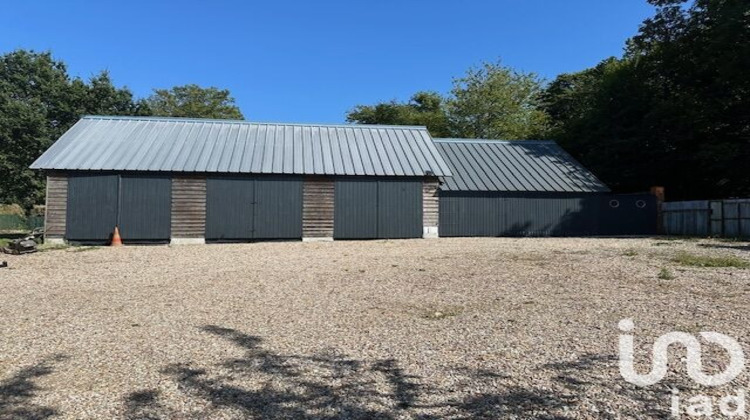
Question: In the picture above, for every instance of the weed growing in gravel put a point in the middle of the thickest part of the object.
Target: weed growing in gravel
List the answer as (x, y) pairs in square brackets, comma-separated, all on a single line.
[(437, 313), (666, 274), (694, 260), (630, 252)]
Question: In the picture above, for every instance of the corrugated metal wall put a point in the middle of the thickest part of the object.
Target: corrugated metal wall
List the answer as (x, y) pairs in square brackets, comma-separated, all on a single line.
[(487, 214), (355, 209), (139, 204), (92, 207), (230, 208), (368, 209), (278, 208), (247, 208), (145, 206)]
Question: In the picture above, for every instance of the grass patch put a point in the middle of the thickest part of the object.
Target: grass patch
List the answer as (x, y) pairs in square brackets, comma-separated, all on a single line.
[(694, 260), (630, 253), (666, 274), (48, 247), (4, 242)]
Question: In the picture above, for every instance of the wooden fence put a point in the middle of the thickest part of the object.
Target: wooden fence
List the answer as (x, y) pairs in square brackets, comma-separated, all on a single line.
[(725, 218)]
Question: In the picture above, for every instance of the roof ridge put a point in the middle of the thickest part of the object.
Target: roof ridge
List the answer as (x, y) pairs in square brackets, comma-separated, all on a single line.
[(490, 141), (227, 121)]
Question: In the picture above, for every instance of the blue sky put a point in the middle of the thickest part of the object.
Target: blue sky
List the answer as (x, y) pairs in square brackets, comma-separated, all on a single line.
[(311, 61)]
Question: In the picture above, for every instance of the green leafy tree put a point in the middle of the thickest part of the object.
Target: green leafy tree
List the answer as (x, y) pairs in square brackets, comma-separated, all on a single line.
[(424, 108), (496, 102), (491, 101), (194, 101), (675, 110), (38, 103)]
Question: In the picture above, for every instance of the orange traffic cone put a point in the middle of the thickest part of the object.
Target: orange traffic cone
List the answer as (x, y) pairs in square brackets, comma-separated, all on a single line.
[(116, 240)]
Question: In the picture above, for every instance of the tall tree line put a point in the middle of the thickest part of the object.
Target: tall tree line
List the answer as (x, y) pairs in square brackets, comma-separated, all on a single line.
[(674, 110), (39, 101)]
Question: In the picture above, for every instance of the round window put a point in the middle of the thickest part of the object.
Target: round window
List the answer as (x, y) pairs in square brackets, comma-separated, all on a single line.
[(614, 204)]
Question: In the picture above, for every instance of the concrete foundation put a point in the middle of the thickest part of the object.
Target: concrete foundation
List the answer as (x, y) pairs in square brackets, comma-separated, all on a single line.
[(323, 239), (187, 241), (54, 241), (430, 232)]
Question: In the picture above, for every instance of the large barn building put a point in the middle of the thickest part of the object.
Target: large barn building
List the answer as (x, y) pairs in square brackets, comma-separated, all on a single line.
[(190, 181), (184, 180)]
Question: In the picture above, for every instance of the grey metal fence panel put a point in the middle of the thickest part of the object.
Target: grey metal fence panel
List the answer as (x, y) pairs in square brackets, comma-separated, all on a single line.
[(687, 218), (278, 208), (355, 209), (230, 204), (729, 218), (399, 209), (92, 207), (145, 208)]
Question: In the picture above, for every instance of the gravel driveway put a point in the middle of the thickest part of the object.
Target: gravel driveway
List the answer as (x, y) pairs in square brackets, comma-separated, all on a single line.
[(457, 328)]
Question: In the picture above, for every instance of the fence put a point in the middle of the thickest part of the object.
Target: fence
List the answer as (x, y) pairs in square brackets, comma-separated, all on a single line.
[(726, 218), (15, 223)]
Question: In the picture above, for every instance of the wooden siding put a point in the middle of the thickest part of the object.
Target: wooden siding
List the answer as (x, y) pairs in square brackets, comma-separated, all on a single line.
[(57, 205), (317, 208), (188, 207), (430, 203)]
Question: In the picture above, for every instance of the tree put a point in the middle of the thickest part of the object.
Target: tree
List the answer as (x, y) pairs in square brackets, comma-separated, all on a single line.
[(194, 101), (675, 110), (496, 102), (38, 103), (491, 101), (424, 108)]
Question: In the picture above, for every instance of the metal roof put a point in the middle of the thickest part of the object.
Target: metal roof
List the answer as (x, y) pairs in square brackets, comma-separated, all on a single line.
[(197, 145), (515, 166)]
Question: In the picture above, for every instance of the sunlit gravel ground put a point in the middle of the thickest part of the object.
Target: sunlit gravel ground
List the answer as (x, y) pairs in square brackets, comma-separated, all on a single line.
[(448, 328)]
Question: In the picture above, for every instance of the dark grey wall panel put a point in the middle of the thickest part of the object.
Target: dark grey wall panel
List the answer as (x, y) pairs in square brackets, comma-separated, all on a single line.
[(399, 209), (355, 209), (145, 207), (559, 216), (229, 208), (369, 209), (628, 214), (492, 214), (278, 208), (92, 207)]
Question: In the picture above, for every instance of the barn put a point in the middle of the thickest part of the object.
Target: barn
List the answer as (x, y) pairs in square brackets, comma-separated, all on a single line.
[(531, 188), (176, 180)]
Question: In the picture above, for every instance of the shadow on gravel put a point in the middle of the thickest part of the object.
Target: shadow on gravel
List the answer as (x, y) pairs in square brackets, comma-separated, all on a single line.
[(265, 384), (732, 247), (17, 392)]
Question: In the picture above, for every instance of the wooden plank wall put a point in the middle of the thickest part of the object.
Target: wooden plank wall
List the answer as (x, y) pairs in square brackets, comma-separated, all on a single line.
[(188, 207), (430, 203), (57, 205), (317, 208)]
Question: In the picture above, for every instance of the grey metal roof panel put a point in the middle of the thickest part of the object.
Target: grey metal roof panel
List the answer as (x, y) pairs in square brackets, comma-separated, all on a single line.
[(227, 146), (513, 166)]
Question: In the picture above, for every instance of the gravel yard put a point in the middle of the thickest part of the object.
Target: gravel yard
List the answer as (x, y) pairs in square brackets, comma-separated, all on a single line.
[(456, 328)]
